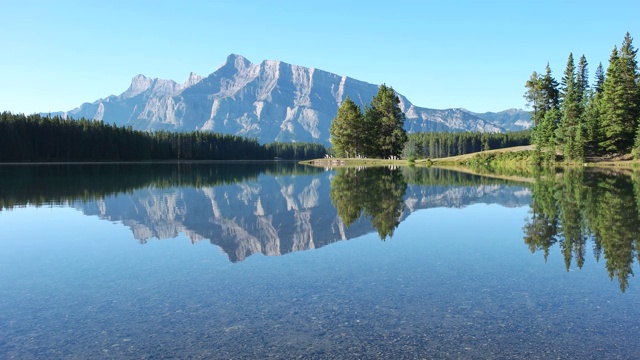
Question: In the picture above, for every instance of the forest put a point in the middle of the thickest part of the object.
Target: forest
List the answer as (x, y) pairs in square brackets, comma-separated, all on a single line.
[(578, 120), (444, 144), (36, 138)]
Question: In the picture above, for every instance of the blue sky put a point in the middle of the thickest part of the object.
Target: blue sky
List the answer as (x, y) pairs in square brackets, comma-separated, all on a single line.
[(440, 54)]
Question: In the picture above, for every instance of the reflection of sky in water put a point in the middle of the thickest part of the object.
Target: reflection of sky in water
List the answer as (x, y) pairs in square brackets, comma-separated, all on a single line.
[(451, 283)]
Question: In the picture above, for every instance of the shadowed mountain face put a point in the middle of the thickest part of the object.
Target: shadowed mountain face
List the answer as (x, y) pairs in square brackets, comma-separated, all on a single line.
[(272, 101)]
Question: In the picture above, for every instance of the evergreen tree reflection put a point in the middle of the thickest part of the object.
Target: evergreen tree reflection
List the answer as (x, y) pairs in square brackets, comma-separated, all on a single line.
[(375, 193), (38, 185), (577, 205)]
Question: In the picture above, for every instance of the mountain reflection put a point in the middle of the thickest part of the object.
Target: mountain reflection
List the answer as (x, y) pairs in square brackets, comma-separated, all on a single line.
[(578, 208), (246, 209), (277, 208)]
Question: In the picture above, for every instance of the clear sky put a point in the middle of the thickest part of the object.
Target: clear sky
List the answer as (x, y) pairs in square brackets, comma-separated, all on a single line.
[(440, 54)]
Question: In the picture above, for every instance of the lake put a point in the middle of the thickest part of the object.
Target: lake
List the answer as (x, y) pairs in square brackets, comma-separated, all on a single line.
[(281, 261)]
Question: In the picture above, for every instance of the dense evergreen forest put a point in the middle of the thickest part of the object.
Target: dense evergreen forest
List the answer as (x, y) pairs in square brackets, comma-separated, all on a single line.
[(39, 138), (577, 120), (443, 144)]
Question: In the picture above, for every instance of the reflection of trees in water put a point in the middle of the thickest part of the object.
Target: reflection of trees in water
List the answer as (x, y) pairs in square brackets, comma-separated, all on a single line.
[(376, 193), (59, 183), (579, 205)]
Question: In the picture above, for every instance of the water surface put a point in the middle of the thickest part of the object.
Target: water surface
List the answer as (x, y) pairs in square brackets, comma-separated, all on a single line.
[(282, 261)]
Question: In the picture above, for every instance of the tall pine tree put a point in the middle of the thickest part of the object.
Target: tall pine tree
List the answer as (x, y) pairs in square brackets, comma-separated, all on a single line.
[(613, 126), (598, 85), (542, 93), (347, 130), (550, 90), (535, 98), (620, 108), (386, 115), (593, 113), (568, 128), (582, 80)]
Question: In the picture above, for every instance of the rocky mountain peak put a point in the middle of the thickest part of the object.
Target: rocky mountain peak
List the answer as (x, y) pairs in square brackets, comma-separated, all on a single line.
[(237, 62), (139, 84), (271, 101), (192, 79)]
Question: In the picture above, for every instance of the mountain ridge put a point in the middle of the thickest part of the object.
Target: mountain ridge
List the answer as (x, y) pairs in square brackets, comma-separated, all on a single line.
[(271, 101)]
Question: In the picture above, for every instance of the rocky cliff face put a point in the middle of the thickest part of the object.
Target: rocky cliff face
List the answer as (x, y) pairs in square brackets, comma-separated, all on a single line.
[(273, 215), (510, 120), (272, 101)]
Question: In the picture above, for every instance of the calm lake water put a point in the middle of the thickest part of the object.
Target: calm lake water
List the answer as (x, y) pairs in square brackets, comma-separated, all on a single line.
[(247, 261)]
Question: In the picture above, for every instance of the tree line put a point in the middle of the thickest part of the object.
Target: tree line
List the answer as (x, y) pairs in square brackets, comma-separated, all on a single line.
[(578, 120), (444, 144), (43, 138)]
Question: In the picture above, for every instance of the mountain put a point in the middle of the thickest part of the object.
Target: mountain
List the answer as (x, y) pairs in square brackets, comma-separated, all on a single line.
[(272, 101), (510, 120)]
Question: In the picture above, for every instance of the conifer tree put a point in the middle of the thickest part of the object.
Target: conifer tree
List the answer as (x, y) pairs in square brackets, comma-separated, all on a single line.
[(535, 98), (550, 90), (593, 113), (542, 92), (620, 108), (387, 116), (602, 120), (582, 80), (347, 130), (612, 113), (592, 117), (569, 109), (544, 136), (372, 132), (598, 85)]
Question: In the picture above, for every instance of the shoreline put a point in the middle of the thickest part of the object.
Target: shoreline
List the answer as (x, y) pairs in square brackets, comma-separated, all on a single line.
[(140, 162), (463, 161)]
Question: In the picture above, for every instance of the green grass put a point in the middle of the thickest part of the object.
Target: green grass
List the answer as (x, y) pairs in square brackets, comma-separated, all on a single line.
[(513, 159)]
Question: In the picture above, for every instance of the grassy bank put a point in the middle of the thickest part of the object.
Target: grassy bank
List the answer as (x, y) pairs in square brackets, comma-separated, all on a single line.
[(517, 159)]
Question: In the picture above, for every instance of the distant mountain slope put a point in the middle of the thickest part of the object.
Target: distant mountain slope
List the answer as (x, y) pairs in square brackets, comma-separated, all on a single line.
[(272, 101), (510, 120)]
